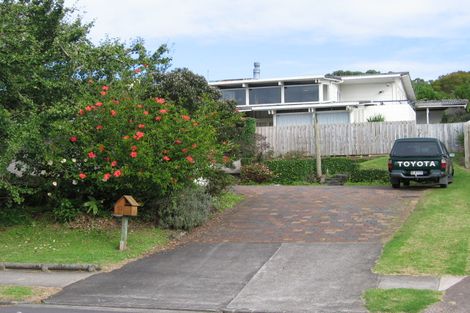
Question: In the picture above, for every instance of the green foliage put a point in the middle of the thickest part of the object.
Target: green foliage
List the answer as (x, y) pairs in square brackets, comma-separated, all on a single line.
[(450, 82), (186, 209), (354, 73), (218, 181), (185, 88), (66, 211), (247, 140), (425, 91), (288, 171), (456, 116), (400, 300), (376, 118), (369, 176), (256, 172), (226, 201)]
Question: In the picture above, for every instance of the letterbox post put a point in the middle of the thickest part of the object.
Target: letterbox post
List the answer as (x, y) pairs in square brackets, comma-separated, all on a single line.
[(124, 225)]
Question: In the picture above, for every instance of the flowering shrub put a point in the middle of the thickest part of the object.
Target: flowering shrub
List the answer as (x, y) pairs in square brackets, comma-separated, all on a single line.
[(118, 145), (256, 172)]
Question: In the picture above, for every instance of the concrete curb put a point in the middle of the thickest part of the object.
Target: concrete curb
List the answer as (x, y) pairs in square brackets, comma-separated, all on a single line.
[(418, 282), (50, 267)]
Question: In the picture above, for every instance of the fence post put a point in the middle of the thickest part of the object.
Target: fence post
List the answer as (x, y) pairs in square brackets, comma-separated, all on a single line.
[(466, 131)]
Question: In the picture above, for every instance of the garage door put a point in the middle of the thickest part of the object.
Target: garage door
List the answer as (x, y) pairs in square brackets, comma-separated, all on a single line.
[(294, 119), (333, 117)]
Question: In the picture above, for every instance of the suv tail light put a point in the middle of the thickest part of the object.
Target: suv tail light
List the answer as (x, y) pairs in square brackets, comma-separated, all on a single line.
[(443, 164), (390, 165)]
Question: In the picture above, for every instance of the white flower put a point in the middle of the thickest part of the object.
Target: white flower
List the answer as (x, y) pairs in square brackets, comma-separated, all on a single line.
[(54, 183), (50, 162), (74, 182), (201, 182), (63, 161), (74, 160), (49, 194), (43, 172)]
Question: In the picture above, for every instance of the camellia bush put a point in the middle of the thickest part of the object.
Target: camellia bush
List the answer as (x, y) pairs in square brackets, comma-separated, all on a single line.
[(118, 145)]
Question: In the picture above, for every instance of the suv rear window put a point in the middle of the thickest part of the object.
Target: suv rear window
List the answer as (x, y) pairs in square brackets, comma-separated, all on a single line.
[(415, 148)]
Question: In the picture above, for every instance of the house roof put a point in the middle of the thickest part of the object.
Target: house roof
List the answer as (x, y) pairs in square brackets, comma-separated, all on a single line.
[(441, 104), (254, 82)]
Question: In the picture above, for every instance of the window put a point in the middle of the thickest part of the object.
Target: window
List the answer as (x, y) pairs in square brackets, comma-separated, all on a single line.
[(415, 148), (265, 95), (237, 95), (304, 93)]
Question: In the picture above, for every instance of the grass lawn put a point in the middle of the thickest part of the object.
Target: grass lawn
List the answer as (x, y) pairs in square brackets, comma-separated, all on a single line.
[(378, 163), (399, 300), (435, 239), (20, 293), (45, 242)]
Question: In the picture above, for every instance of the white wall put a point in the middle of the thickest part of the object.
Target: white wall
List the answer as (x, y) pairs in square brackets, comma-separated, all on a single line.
[(387, 91), (393, 112)]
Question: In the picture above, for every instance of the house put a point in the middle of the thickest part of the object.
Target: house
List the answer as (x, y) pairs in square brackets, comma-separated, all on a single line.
[(432, 111), (329, 99)]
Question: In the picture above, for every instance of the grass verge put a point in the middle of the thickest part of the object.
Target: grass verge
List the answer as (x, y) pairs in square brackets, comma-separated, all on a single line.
[(226, 201), (21, 293), (43, 242), (399, 300), (435, 239), (377, 163)]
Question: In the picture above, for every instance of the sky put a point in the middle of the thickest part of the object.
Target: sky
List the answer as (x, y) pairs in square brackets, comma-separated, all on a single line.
[(220, 39)]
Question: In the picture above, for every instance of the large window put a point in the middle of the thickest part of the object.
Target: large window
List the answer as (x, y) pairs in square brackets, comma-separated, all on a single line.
[(237, 95), (304, 93), (264, 95)]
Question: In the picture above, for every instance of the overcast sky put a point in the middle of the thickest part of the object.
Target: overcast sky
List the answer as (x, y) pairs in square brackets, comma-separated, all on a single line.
[(221, 39)]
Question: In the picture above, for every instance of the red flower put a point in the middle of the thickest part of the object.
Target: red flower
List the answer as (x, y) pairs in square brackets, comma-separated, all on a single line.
[(117, 173), (137, 70), (113, 113), (103, 93), (99, 127), (190, 159), (125, 137), (134, 148), (141, 126), (166, 158), (98, 104), (133, 154), (91, 155), (106, 177), (184, 150), (185, 117), (115, 101), (194, 146), (158, 118), (81, 112), (113, 164), (226, 159), (163, 111), (82, 175), (178, 142), (160, 100), (73, 139), (105, 88), (146, 112), (88, 108), (138, 135)]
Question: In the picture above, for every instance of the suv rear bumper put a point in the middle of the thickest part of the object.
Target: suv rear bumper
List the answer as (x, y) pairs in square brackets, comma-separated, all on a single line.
[(401, 176)]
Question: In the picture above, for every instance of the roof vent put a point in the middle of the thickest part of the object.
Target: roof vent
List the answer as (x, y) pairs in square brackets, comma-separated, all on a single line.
[(256, 70)]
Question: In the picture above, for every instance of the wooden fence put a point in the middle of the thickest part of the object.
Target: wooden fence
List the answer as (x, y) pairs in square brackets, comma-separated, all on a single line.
[(467, 144), (356, 139)]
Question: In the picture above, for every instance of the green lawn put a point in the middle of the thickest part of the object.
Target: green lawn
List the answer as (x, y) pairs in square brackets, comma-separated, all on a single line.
[(435, 239), (399, 300), (226, 201), (51, 243), (20, 293), (377, 163)]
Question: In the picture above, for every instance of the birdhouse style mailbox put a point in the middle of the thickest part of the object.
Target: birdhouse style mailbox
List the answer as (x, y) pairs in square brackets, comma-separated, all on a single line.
[(126, 206)]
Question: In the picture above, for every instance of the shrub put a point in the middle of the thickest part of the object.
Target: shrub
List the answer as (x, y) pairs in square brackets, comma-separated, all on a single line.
[(256, 172), (186, 209), (289, 171), (376, 118), (218, 181), (369, 176), (120, 145)]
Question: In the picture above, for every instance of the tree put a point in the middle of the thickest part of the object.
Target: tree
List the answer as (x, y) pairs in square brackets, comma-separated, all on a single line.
[(425, 91), (450, 82), (353, 73)]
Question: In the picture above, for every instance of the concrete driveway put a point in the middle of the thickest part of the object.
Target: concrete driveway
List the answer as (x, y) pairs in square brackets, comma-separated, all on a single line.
[(283, 249)]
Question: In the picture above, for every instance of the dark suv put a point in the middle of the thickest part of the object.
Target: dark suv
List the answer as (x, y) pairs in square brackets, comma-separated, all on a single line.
[(420, 160)]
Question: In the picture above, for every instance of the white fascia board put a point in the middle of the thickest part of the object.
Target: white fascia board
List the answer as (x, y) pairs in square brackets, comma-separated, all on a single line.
[(302, 106), (370, 77), (271, 80)]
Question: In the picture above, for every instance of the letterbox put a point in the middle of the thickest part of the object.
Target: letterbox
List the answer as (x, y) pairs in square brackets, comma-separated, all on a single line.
[(126, 206)]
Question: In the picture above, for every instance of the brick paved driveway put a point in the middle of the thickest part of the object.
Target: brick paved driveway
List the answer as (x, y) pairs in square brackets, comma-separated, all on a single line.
[(313, 214)]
